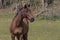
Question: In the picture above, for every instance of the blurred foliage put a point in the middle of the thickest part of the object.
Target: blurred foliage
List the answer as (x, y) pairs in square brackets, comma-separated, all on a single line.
[(36, 5)]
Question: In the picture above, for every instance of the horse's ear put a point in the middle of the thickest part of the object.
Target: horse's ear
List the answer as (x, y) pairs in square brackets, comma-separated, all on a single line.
[(25, 6), (29, 5)]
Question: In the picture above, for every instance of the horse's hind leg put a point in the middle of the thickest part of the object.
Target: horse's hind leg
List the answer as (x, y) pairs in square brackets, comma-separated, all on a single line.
[(13, 37)]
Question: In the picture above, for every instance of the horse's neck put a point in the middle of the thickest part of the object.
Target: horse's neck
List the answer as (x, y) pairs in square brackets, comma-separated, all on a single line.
[(21, 19), (24, 20)]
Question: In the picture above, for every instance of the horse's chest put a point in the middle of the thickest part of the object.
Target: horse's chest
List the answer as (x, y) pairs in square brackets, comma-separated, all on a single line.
[(23, 28), (18, 30)]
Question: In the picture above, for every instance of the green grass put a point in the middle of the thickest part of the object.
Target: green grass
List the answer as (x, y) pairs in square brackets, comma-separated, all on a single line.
[(38, 30)]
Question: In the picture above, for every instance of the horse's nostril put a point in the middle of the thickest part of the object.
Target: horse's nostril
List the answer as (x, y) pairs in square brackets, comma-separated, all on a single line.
[(32, 19)]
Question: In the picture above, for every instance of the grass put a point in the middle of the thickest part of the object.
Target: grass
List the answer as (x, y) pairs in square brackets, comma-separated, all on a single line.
[(38, 30)]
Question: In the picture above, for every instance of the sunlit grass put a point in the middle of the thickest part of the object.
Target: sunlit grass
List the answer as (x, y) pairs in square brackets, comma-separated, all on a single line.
[(38, 30)]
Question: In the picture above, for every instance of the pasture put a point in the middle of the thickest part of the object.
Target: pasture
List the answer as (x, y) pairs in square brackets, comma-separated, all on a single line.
[(38, 30)]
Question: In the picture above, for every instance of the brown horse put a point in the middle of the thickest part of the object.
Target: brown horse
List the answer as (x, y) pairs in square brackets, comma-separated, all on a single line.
[(20, 25)]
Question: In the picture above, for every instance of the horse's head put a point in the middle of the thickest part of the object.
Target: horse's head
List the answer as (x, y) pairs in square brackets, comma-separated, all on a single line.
[(26, 13), (29, 16)]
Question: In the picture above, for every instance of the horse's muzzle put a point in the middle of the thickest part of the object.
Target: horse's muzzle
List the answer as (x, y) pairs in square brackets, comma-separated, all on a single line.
[(32, 20)]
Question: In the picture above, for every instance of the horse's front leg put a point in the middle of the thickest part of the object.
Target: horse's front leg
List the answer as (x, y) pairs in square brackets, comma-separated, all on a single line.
[(25, 37), (20, 37), (13, 37)]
